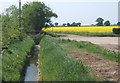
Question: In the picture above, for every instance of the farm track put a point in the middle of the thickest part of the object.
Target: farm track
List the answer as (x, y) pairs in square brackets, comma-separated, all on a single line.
[(103, 69), (110, 43)]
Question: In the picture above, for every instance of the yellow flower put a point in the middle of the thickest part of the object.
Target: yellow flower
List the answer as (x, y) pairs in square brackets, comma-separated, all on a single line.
[(82, 29)]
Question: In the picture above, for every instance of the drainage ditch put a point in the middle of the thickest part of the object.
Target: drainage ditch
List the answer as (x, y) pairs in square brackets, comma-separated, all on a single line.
[(32, 69)]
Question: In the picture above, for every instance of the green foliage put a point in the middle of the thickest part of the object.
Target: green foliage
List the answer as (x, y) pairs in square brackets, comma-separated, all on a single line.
[(118, 23), (92, 48), (73, 24), (109, 34), (36, 15), (10, 29), (68, 24), (108, 54), (56, 66), (99, 21), (64, 24), (56, 24), (107, 23), (76, 24), (13, 59), (116, 30)]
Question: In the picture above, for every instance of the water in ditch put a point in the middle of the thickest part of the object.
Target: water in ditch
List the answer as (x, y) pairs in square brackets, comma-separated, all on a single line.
[(31, 73), (32, 70)]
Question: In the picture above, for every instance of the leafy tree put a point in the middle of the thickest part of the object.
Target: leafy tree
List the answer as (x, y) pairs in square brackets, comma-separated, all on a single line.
[(10, 26), (73, 24), (99, 21), (118, 23), (68, 24), (35, 15), (92, 25), (51, 25), (78, 24), (56, 24), (107, 23), (64, 24)]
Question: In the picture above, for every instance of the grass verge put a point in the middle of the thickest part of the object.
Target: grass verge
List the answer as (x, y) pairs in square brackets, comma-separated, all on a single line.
[(92, 48), (56, 66), (13, 59), (110, 34)]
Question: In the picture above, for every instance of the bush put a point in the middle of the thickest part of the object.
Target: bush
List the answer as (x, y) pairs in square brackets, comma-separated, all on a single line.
[(116, 30), (14, 57)]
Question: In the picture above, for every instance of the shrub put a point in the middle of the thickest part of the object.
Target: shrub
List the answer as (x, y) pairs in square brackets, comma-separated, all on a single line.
[(116, 30)]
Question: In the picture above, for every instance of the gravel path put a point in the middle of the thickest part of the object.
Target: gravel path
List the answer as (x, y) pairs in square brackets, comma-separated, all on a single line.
[(107, 42)]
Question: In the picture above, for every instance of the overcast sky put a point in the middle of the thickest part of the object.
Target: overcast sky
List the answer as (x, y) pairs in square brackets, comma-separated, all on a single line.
[(84, 11)]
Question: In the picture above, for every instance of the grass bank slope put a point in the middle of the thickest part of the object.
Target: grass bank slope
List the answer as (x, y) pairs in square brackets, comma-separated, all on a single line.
[(56, 66), (14, 59)]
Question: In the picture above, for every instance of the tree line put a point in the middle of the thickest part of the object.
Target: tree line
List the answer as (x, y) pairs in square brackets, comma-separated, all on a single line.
[(100, 22)]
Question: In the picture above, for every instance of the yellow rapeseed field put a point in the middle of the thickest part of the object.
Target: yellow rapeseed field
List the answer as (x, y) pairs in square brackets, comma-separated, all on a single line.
[(82, 29)]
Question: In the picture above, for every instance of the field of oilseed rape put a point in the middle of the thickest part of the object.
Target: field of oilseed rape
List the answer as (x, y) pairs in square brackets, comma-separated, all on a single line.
[(82, 29)]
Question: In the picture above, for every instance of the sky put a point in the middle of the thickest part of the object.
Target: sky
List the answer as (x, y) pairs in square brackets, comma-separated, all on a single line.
[(83, 11)]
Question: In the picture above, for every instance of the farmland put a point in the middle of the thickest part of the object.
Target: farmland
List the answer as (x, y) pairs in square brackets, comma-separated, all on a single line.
[(59, 60), (36, 49), (93, 29)]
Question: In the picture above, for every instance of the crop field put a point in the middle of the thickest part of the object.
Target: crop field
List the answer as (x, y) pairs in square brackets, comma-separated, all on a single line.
[(37, 46), (82, 29)]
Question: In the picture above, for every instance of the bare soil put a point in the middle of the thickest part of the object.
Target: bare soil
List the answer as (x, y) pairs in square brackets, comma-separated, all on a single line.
[(102, 69), (38, 67)]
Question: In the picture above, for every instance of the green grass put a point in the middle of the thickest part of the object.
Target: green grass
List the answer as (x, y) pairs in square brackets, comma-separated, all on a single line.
[(108, 34), (92, 48), (13, 59), (56, 66)]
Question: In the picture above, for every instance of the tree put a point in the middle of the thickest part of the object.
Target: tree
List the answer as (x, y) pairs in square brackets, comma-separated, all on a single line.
[(64, 24), (68, 24), (10, 26), (118, 23), (107, 23), (100, 21), (51, 25), (92, 25), (73, 24), (78, 24), (35, 15), (56, 24)]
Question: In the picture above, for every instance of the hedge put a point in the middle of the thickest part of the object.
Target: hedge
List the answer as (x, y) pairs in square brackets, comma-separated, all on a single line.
[(116, 30)]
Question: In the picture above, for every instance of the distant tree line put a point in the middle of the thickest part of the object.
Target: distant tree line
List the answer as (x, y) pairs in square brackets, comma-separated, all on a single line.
[(100, 22)]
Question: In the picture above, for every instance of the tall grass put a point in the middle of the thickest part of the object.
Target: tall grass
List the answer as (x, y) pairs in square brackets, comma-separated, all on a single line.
[(13, 59), (56, 66)]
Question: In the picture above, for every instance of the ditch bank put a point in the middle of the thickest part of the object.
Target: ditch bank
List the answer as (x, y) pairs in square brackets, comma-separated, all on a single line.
[(32, 72)]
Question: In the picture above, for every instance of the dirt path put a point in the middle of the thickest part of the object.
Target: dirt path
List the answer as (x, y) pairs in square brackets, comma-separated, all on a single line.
[(102, 69), (107, 42)]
